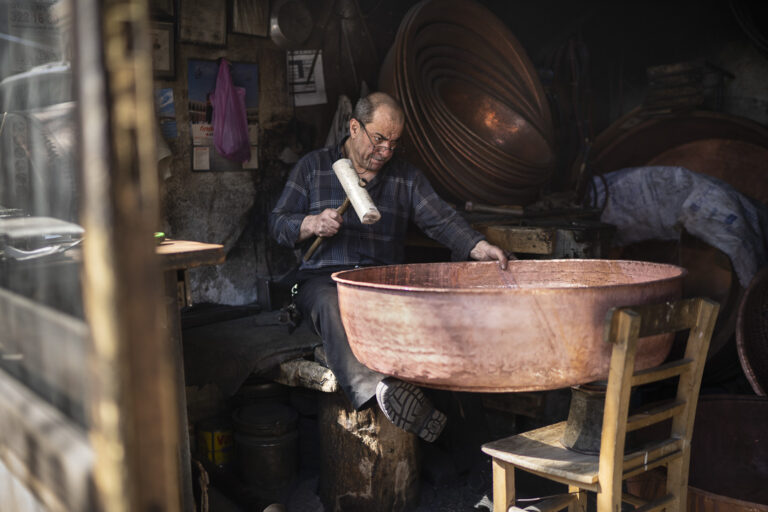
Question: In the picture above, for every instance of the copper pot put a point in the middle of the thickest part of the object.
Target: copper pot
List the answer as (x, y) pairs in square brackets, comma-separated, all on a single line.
[(473, 327)]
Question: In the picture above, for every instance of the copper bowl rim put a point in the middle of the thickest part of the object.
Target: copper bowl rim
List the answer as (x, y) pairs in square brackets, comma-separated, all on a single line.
[(338, 277)]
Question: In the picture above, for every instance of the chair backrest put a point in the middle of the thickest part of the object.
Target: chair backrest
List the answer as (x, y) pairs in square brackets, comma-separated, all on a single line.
[(623, 328)]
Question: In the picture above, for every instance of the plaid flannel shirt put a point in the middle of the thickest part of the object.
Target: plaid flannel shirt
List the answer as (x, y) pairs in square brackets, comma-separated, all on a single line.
[(400, 192)]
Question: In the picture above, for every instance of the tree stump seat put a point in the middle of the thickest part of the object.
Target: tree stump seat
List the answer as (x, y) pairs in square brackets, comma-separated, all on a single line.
[(366, 462)]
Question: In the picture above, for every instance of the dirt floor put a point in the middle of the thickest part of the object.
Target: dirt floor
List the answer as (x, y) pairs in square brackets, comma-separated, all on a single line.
[(455, 474)]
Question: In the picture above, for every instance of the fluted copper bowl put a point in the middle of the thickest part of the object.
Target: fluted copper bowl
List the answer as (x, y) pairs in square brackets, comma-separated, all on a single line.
[(473, 327)]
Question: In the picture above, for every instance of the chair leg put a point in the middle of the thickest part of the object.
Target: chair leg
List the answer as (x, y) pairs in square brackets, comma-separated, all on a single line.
[(503, 485), (609, 499), (580, 505), (677, 482)]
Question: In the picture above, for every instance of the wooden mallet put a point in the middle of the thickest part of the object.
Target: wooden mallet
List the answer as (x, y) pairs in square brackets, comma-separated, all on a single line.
[(357, 196)]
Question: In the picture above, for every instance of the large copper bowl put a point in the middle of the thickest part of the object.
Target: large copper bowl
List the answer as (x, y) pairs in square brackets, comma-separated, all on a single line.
[(473, 327)]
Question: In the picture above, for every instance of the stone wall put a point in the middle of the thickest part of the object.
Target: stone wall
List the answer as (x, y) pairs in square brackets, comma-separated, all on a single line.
[(231, 208)]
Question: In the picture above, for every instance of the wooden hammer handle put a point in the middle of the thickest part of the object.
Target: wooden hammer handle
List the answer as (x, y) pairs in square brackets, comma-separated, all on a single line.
[(312, 248)]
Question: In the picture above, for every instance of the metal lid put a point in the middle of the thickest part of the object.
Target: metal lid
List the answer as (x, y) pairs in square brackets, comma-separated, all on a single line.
[(262, 390), (214, 424), (290, 23), (268, 419)]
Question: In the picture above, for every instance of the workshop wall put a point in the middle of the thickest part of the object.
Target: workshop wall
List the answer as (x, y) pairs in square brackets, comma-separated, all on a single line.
[(619, 41), (231, 208)]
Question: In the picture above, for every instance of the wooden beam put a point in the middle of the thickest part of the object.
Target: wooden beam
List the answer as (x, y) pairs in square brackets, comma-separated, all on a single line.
[(183, 254), (45, 349), (521, 239), (44, 450)]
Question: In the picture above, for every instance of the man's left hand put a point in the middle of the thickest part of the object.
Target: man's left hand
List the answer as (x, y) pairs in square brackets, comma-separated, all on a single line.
[(484, 251)]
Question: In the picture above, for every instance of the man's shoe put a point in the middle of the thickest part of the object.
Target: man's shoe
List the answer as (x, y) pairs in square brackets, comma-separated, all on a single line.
[(408, 408)]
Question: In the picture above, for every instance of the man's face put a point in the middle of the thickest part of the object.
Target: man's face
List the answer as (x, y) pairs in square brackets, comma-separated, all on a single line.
[(372, 144)]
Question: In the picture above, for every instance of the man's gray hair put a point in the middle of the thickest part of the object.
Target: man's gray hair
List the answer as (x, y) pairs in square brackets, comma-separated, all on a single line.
[(366, 106)]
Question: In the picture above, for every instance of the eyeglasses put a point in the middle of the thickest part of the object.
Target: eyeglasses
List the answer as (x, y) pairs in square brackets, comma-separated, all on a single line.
[(379, 142)]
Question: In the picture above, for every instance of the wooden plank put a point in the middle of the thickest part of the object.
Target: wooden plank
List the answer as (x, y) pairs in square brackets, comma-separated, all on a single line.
[(521, 239), (658, 373), (633, 500), (183, 254), (551, 504), (657, 504), (659, 318), (44, 450), (46, 349), (654, 414), (642, 458), (662, 461), (176, 371)]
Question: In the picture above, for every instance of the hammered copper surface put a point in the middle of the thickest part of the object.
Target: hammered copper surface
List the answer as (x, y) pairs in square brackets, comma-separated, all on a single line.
[(738, 163), (472, 327), (636, 141), (477, 118)]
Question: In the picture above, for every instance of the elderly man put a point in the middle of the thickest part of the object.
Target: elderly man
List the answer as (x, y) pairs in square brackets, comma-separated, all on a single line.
[(402, 194)]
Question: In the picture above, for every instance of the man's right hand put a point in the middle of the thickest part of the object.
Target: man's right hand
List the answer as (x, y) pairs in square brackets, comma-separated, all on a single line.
[(325, 224)]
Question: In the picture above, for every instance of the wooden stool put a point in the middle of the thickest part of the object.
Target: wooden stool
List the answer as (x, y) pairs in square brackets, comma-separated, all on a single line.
[(367, 463)]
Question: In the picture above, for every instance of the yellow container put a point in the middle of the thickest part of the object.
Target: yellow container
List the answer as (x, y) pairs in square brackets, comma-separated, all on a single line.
[(214, 440)]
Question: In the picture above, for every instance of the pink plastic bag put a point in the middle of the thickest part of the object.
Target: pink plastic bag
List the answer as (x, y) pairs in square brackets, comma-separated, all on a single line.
[(230, 127)]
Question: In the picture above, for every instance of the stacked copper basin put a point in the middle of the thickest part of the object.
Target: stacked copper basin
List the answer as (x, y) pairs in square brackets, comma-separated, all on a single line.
[(473, 327), (724, 146), (477, 118)]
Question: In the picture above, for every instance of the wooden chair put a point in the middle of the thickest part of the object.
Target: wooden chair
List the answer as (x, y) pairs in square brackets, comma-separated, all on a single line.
[(540, 451)]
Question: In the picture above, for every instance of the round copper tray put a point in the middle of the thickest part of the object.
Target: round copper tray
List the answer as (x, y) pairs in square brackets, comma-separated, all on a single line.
[(473, 327), (752, 333)]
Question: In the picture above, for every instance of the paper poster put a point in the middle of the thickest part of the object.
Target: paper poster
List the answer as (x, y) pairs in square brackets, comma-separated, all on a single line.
[(31, 35), (166, 113), (201, 158), (202, 81), (305, 77)]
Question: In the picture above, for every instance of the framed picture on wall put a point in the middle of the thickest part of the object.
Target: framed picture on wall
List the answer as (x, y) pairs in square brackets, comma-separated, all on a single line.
[(250, 17), (203, 22), (163, 39)]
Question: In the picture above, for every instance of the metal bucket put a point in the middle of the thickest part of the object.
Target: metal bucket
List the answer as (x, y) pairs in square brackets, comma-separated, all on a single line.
[(266, 447), (214, 440), (584, 427)]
